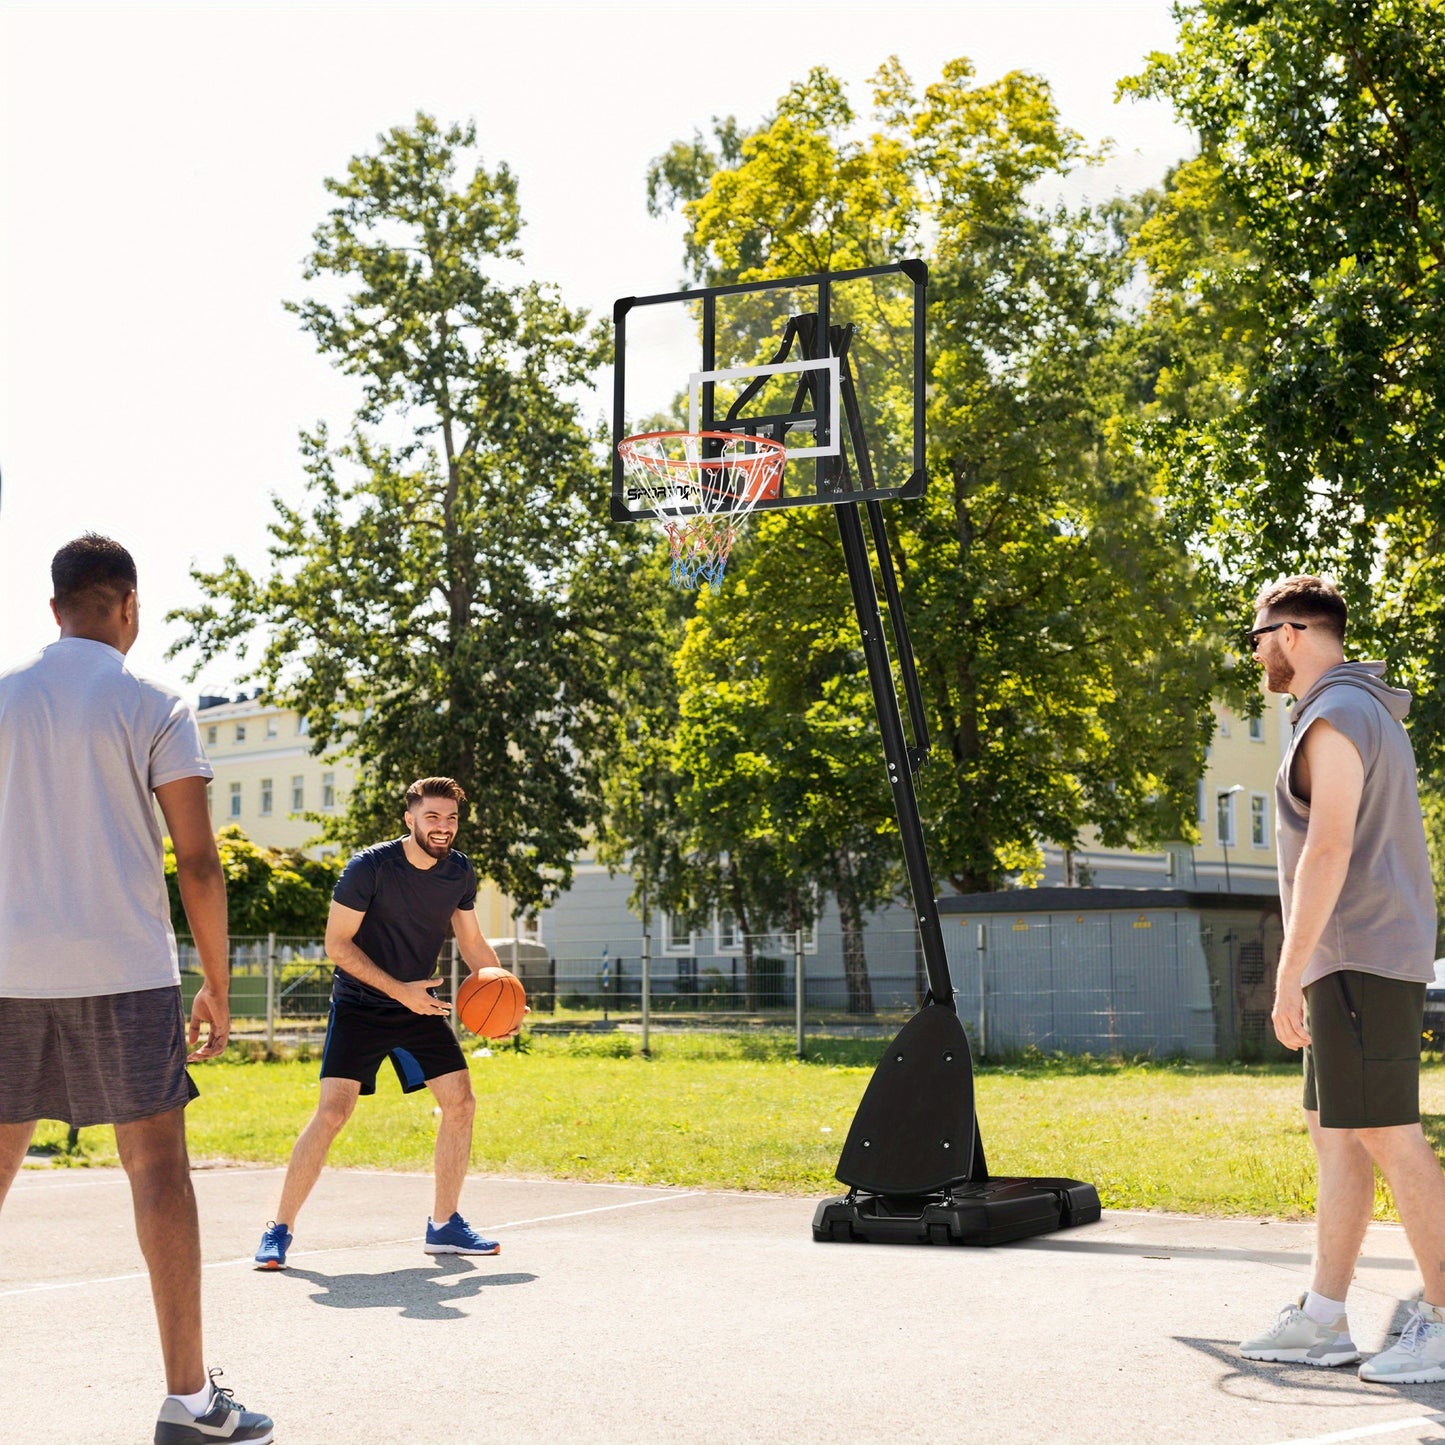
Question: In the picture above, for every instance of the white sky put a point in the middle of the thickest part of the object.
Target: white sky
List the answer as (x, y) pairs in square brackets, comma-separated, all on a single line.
[(162, 175)]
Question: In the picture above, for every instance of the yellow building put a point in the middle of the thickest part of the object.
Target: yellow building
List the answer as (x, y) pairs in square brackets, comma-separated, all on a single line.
[(1235, 800), (268, 779), (1234, 803)]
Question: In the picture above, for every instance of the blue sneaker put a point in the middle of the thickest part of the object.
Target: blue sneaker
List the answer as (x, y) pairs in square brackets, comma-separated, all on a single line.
[(456, 1236), (275, 1241)]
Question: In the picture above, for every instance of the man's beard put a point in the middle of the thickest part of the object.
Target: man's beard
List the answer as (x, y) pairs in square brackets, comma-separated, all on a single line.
[(432, 850), (1278, 674)]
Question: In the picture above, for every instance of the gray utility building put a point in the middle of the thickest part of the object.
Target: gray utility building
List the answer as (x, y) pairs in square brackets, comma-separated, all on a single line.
[(1162, 971), (1165, 971)]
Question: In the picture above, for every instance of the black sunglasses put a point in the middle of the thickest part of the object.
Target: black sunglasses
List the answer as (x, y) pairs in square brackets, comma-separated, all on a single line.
[(1252, 637)]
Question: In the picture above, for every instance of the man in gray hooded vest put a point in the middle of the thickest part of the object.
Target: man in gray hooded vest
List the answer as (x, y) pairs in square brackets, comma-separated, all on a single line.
[(1359, 946)]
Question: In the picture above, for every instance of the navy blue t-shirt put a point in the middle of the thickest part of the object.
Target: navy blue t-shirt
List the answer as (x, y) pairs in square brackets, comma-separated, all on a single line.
[(408, 912)]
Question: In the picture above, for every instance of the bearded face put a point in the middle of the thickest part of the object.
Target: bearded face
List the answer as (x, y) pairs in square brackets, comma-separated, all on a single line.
[(433, 825), (1271, 654)]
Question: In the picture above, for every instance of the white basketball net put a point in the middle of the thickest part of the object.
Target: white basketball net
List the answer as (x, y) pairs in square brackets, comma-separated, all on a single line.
[(701, 500)]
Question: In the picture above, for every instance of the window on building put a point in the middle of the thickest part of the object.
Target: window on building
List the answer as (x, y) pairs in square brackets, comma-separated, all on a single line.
[(1259, 820), (676, 936), (266, 796), (725, 933), (1256, 729), (211, 734), (1222, 727), (273, 727), (303, 728), (1201, 815), (240, 732), (298, 794), (235, 800), (328, 792), (1224, 819), (786, 943)]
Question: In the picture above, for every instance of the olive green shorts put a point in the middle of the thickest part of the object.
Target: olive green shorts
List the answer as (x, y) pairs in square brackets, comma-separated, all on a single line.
[(1362, 1065)]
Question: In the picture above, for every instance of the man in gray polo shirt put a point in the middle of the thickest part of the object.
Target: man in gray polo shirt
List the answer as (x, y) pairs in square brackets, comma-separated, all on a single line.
[(91, 1024), (1358, 950)]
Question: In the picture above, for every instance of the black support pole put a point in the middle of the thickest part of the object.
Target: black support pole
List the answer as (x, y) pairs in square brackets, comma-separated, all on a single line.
[(895, 751), (914, 1159)]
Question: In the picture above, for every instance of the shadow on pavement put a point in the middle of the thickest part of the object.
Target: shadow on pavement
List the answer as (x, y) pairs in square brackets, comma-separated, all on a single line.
[(417, 1294), (1302, 1256), (1341, 1386)]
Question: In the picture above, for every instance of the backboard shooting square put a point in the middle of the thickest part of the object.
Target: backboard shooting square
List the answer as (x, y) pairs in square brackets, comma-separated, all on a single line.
[(807, 439)]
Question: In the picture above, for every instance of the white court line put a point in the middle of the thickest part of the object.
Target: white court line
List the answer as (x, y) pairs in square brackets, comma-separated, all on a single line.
[(596, 1209), (50, 1187), (32, 1177), (1385, 1427), (42, 1185), (340, 1248)]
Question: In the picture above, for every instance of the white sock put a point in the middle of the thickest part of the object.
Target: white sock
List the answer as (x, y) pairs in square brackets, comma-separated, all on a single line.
[(1321, 1310), (198, 1403)]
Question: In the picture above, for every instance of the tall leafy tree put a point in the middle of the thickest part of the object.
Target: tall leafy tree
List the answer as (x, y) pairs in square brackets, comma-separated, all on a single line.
[(775, 786), (640, 828), (1065, 665), (1314, 214), (441, 602)]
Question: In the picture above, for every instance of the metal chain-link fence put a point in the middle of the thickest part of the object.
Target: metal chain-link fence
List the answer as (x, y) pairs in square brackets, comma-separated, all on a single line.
[(1166, 983)]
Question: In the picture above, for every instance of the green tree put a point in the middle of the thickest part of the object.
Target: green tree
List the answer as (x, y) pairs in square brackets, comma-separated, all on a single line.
[(1061, 643), (445, 601), (1314, 218), (268, 890), (640, 829), (781, 787)]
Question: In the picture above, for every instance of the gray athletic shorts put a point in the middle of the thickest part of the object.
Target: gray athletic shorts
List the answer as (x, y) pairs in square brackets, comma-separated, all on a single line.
[(111, 1059), (1362, 1065)]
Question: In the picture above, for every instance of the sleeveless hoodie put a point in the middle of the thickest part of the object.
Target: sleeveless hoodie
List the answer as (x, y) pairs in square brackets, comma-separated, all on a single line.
[(1384, 921)]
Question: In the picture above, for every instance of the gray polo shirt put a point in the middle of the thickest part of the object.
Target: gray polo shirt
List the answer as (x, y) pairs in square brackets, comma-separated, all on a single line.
[(84, 744), (1384, 921)]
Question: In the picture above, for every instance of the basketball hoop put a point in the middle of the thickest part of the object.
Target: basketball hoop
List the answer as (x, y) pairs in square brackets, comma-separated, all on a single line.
[(701, 500)]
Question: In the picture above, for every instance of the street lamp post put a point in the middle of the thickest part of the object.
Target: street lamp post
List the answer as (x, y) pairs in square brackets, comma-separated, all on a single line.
[(1225, 832)]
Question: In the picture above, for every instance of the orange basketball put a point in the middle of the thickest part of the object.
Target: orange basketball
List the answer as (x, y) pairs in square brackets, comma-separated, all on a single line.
[(491, 1002)]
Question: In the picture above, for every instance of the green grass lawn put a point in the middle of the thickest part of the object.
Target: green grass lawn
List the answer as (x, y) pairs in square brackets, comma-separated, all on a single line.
[(740, 1113)]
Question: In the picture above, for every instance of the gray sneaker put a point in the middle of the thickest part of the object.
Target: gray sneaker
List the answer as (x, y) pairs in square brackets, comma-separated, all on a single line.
[(1419, 1358), (224, 1418), (1295, 1338)]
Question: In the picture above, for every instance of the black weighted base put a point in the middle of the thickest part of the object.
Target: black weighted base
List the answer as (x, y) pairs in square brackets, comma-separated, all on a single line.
[(993, 1212)]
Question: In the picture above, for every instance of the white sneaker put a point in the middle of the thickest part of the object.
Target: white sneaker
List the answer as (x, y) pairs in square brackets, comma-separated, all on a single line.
[(1419, 1358), (1295, 1338)]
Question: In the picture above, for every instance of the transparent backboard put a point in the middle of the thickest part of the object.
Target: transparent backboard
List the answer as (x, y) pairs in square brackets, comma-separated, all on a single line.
[(831, 366)]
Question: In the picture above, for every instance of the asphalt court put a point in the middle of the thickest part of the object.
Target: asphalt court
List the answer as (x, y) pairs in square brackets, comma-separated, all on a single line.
[(617, 1313)]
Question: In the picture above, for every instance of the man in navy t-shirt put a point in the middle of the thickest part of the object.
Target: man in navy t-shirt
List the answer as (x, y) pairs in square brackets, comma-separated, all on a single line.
[(390, 913)]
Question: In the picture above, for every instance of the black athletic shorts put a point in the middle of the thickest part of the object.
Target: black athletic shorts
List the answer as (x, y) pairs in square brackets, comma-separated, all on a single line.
[(358, 1038), (1362, 1064), (110, 1059)]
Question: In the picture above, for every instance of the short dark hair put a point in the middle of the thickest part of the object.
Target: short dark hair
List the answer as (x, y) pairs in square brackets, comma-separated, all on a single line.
[(1308, 599), (434, 788), (91, 574)]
